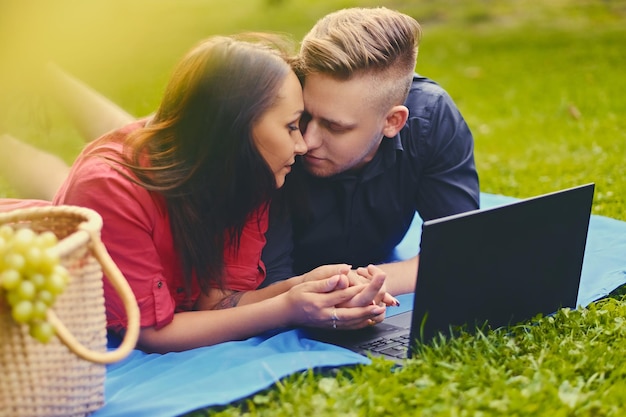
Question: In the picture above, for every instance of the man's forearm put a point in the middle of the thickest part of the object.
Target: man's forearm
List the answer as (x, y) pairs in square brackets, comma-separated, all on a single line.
[(401, 275)]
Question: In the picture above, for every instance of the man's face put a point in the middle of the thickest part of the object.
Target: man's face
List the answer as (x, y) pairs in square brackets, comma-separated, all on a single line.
[(341, 128)]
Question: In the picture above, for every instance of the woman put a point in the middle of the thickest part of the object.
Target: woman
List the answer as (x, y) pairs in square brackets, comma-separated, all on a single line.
[(184, 197)]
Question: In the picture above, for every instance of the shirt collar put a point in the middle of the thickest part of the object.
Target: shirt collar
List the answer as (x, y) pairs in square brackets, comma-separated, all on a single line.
[(384, 159)]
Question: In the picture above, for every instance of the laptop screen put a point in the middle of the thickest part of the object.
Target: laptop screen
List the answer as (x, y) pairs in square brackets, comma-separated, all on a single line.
[(501, 265)]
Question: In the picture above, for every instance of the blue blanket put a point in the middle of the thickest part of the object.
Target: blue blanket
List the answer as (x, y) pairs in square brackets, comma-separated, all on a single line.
[(176, 383)]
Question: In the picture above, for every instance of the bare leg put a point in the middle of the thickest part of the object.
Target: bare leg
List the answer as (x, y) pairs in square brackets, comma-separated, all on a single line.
[(37, 174), (92, 113), (33, 173)]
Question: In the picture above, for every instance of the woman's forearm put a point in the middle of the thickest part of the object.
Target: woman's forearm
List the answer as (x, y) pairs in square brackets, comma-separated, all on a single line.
[(270, 291), (194, 329), (218, 299), (222, 299), (314, 303)]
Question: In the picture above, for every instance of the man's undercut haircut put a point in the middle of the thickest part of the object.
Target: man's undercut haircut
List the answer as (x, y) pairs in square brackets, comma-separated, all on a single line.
[(355, 42)]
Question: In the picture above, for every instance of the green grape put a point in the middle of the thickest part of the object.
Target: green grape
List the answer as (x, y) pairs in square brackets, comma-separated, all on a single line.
[(41, 330), (38, 279), (32, 258), (6, 232), (23, 239), (10, 279), (47, 239), (31, 277), (26, 290), (63, 272), (13, 298), (48, 261), (55, 283), (14, 260), (22, 312), (39, 310), (46, 297)]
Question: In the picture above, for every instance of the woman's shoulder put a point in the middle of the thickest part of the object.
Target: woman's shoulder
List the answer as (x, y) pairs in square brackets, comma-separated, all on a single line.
[(113, 141), (108, 153), (99, 176)]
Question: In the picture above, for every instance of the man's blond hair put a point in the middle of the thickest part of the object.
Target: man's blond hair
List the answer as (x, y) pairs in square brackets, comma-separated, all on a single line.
[(355, 42)]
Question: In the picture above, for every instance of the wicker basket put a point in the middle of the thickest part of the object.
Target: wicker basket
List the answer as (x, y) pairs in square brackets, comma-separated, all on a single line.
[(64, 377)]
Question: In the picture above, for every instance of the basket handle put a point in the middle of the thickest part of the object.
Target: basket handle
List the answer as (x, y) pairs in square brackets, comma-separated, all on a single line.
[(122, 287)]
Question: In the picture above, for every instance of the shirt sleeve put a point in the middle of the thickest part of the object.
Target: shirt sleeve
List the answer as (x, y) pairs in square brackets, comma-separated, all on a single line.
[(445, 146), (129, 216), (244, 269)]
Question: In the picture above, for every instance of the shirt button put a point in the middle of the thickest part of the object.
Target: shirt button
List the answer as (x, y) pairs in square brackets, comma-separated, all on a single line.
[(159, 284)]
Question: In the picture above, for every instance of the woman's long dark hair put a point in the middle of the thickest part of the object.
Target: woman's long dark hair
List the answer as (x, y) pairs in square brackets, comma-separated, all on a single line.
[(198, 150)]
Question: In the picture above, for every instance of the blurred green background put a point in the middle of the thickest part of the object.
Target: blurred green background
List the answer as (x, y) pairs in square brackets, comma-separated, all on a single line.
[(541, 84)]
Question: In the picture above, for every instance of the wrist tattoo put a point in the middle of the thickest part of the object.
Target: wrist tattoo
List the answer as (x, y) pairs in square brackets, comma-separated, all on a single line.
[(230, 300)]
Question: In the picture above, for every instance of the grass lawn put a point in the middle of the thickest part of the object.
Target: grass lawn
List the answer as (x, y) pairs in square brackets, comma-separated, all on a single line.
[(541, 85)]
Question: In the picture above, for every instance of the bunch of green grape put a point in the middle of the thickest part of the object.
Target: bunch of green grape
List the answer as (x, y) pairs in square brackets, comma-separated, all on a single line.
[(31, 277)]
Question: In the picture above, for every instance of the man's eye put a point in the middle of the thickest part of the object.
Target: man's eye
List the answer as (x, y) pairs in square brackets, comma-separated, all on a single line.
[(336, 129)]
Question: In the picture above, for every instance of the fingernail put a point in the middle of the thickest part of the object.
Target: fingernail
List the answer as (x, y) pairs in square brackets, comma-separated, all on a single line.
[(397, 302)]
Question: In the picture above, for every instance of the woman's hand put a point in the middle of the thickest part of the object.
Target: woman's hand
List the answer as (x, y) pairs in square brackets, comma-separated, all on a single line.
[(318, 303)]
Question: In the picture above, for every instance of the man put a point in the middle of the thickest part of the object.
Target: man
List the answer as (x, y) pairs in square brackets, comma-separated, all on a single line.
[(383, 144)]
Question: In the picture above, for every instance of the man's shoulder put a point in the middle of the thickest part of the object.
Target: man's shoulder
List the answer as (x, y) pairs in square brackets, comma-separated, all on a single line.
[(432, 113), (424, 83), (427, 99), (424, 92)]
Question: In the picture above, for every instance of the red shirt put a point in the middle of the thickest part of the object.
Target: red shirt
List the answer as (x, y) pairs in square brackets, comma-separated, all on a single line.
[(136, 232)]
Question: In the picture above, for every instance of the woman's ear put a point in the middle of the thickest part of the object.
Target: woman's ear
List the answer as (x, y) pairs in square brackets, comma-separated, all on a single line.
[(395, 120)]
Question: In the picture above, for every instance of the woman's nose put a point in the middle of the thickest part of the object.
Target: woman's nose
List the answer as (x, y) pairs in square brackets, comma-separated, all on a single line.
[(301, 146)]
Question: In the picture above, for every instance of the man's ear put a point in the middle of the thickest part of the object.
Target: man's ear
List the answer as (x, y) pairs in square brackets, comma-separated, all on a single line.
[(395, 120)]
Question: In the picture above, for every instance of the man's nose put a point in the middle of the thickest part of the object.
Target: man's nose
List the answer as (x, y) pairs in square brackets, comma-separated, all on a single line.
[(312, 135)]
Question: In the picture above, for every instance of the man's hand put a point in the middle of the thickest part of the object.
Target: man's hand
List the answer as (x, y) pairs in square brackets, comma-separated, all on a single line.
[(325, 271), (368, 275)]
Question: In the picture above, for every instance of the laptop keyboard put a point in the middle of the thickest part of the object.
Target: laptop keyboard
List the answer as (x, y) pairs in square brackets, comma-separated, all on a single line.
[(396, 347)]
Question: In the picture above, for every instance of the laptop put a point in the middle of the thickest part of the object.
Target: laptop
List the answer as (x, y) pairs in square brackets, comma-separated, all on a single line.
[(487, 269)]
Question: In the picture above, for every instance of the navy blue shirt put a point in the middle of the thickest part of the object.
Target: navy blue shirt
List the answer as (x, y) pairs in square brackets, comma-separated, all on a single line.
[(360, 218)]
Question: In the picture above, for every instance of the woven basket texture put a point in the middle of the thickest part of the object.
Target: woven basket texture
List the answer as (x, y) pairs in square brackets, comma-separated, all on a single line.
[(48, 379)]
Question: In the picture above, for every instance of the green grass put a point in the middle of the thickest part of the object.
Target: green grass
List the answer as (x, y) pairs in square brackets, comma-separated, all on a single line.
[(570, 364), (541, 85), (545, 107)]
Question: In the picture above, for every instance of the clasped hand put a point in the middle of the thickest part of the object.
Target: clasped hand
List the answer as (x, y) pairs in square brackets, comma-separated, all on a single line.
[(336, 296)]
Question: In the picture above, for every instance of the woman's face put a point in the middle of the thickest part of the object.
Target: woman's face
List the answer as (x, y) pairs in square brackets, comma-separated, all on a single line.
[(277, 135)]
